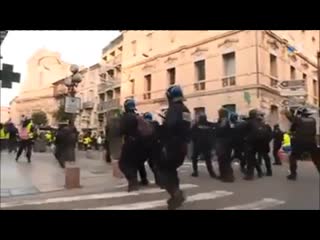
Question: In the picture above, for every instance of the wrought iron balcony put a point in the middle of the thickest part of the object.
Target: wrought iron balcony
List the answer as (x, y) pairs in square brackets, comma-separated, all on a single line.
[(88, 105), (108, 84), (108, 105)]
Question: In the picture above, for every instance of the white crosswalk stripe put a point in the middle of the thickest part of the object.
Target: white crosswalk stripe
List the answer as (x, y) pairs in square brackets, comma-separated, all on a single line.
[(130, 201), (162, 203), (258, 205), (108, 195)]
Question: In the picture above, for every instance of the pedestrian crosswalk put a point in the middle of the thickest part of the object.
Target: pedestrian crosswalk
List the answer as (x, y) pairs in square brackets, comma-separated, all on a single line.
[(258, 205), (163, 203), (147, 199)]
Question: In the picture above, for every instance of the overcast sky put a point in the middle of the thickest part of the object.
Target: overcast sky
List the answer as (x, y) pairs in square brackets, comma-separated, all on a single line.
[(79, 47)]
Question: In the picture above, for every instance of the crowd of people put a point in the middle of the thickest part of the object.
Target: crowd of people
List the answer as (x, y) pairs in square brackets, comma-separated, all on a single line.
[(18, 140), (90, 140), (248, 139)]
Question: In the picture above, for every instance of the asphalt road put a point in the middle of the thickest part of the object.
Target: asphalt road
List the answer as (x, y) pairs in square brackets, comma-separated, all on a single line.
[(203, 193)]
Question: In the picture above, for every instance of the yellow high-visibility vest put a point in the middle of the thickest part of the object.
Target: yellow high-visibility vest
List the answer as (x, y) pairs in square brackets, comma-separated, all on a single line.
[(3, 134), (286, 140), (29, 126), (86, 140)]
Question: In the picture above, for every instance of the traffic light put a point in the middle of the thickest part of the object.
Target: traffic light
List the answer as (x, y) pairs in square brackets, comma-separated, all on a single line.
[(8, 76)]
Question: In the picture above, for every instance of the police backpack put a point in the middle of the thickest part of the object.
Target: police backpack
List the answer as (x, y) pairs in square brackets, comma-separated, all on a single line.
[(145, 128), (259, 131)]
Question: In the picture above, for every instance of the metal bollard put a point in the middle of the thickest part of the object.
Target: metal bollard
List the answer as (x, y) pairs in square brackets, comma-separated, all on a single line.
[(72, 175)]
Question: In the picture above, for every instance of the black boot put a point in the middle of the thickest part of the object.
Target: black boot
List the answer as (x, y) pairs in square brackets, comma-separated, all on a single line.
[(292, 177), (269, 173), (176, 200), (210, 169), (260, 174), (195, 174), (277, 163), (133, 186), (195, 168), (248, 177), (228, 179), (213, 175), (144, 182)]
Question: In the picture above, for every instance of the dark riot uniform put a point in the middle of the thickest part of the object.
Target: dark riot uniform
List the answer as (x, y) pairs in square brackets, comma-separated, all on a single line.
[(151, 151), (253, 144), (176, 130), (277, 136), (202, 138), (130, 159), (65, 141), (224, 147), (238, 140), (265, 149), (303, 141), (107, 145)]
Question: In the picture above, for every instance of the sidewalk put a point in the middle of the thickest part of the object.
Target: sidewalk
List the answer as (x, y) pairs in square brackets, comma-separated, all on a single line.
[(44, 175)]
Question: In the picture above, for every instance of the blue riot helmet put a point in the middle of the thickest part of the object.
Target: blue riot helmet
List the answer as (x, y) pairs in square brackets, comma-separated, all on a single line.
[(129, 105), (147, 116), (305, 112), (233, 117), (175, 94)]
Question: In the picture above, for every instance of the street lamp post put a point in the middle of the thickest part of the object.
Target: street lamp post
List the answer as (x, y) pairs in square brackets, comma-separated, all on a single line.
[(72, 83), (72, 177)]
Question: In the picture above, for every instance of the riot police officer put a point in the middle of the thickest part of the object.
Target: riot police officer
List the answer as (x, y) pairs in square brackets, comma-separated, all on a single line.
[(238, 140), (264, 146), (303, 140), (277, 142), (254, 140), (175, 138), (223, 146), (152, 146), (130, 159), (148, 151), (202, 138)]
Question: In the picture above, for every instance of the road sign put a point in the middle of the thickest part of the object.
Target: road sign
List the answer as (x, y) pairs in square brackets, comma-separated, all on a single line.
[(293, 93), (294, 101), (72, 105), (292, 88), (292, 84)]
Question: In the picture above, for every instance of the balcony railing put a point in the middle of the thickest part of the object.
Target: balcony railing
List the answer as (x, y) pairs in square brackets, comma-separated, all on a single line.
[(88, 105), (199, 86), (147, 95), (108, 105), (109, 83), (274, 82), (228, 81)]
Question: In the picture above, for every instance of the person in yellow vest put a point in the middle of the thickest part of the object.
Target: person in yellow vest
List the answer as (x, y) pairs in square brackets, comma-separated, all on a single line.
[(286, 143), (26, 135), (87, 142), (4, 137), (49, 138)]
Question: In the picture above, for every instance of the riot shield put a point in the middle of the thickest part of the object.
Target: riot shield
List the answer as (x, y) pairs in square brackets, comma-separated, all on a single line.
[(114, 137)]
